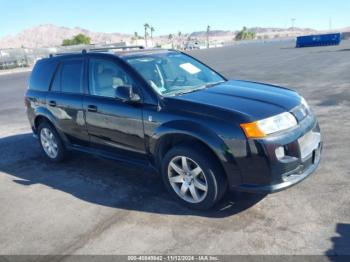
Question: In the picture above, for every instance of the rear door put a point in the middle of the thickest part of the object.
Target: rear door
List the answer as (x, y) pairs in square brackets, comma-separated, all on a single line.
[(39, 84), (112, 124), (65, 100)]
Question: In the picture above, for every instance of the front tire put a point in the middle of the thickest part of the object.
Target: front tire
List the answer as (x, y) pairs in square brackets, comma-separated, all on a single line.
[(193, 177), (51, 143)]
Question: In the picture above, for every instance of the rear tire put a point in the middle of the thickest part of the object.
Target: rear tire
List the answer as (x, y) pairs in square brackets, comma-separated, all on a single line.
[(51, 143), (193, 177)]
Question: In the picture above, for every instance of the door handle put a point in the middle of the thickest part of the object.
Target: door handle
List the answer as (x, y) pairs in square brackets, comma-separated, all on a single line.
[(92, 108), (52, 103)]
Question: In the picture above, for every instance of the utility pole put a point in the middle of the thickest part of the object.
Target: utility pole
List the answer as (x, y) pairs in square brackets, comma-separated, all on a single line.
[(330, 23), (146, 26), (25, 56), (2, 62), (208, 31), (293, 23)]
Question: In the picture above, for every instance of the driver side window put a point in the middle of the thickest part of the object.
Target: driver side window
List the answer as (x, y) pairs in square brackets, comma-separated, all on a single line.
[(105, 77)]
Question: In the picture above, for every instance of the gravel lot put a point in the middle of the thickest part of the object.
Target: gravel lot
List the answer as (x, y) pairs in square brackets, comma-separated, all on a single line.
[(95, 206)]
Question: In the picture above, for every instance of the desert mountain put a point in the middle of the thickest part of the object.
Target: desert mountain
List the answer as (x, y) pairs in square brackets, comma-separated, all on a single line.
[(51, 35)]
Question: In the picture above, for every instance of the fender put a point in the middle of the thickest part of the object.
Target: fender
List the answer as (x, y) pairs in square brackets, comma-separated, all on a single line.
[(198, 132), (202, 134), (191, 129)]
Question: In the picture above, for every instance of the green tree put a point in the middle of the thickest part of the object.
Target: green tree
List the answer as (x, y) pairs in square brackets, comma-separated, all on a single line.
[(82, 39), (79, 39), (67, 42), (245, 34)]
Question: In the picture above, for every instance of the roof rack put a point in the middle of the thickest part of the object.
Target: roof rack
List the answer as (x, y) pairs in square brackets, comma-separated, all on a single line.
[(100, 49), (68, 53)]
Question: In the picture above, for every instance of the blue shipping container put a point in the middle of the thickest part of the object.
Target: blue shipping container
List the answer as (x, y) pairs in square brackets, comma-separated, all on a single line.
[(318, 40)]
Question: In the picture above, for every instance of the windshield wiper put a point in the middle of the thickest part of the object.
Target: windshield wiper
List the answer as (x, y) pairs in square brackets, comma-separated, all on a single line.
[(179, 92), (213, 84), (208, 85), (190, 91)]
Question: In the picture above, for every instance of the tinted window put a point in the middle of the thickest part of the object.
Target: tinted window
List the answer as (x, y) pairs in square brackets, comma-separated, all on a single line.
[(105, 76), (68, 77), (42, 74), (56, 83)]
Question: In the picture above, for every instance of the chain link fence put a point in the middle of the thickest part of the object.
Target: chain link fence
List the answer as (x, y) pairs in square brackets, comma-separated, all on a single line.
[(26, 57)]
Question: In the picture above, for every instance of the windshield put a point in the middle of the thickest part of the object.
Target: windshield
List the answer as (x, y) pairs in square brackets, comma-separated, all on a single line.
[(172, 73)]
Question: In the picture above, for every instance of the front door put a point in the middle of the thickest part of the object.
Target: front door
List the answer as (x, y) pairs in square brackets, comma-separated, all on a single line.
[(112, 124)]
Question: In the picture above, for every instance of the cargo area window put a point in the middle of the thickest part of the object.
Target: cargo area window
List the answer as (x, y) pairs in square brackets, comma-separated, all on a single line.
[(42, 74)]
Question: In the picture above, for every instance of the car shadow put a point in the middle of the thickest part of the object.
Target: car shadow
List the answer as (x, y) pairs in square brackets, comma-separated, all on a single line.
[(318, 51), (333, 51), (340, 250), (103, 182)]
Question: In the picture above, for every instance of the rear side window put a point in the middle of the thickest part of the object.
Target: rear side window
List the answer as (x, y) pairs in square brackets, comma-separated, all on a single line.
[(68, 78), (42, 74)]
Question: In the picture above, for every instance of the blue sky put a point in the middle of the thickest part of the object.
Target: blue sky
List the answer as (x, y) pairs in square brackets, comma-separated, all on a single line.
[(128, 16)]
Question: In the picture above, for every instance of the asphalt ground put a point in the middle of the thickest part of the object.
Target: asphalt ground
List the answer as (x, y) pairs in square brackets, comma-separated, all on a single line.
[(94, 206)]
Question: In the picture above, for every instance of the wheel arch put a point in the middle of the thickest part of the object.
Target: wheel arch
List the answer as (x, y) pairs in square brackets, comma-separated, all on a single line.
[(42, 114), (179, 132)]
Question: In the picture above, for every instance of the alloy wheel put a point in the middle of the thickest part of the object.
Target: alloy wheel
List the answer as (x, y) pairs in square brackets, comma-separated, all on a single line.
[(187, 179), (49, 143)]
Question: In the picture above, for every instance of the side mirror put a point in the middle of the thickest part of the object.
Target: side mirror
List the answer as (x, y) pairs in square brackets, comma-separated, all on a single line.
[(126, 94)]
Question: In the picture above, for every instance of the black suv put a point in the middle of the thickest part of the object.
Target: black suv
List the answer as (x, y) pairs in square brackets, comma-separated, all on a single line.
[(165, 110)]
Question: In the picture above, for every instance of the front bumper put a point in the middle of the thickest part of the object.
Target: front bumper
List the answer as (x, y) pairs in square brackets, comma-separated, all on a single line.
[(290, 178), (263, 172)]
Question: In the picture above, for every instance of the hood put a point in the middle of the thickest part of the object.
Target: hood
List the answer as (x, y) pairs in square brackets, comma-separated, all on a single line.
[(251, 100)]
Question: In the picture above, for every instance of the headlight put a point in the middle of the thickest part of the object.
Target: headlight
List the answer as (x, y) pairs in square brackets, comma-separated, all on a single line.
[(269, 125)]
